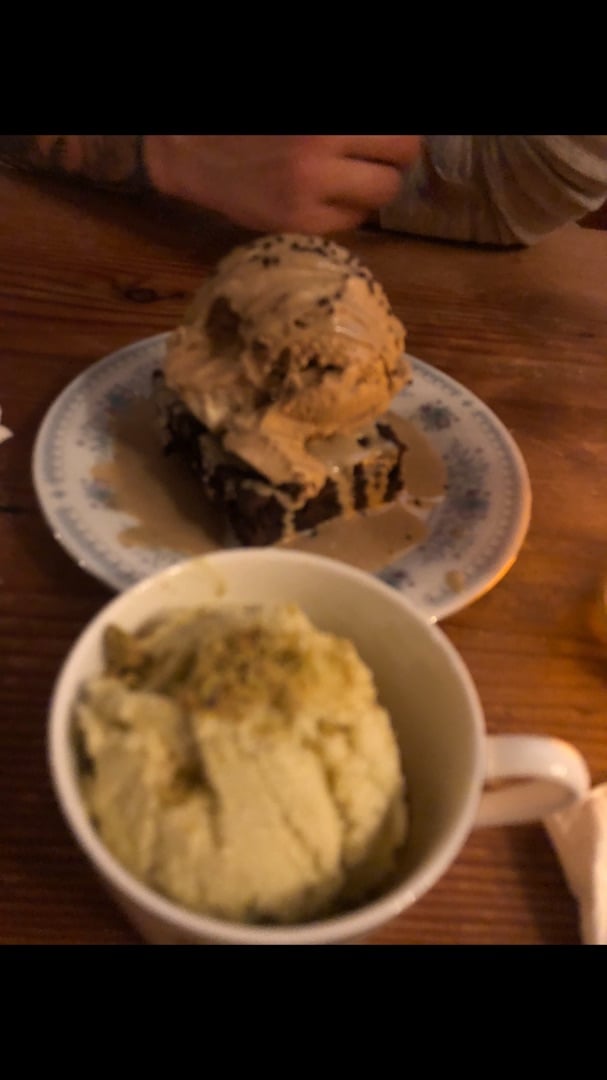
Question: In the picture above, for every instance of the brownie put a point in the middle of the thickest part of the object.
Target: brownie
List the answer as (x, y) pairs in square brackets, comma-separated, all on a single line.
[(258, 512)]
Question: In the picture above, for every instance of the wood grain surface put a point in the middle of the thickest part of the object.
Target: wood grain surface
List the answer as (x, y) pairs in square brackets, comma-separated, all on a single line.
[(83, 273)]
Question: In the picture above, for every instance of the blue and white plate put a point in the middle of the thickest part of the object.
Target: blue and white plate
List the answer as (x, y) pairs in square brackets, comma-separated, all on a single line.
[(474, 535)]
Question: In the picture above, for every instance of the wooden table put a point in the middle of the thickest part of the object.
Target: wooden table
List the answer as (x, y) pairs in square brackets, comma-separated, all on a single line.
[(82, 274)]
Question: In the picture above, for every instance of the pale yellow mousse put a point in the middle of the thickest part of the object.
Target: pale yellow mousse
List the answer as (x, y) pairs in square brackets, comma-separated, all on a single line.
[(238, 762), (290, 340)]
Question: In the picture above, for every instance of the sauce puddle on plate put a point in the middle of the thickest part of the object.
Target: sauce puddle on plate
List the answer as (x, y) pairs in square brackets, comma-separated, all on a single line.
[(155, 489), (169, 510)]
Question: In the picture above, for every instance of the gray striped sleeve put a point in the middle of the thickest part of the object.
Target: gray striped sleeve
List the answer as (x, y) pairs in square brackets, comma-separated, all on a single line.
[(500, 189)]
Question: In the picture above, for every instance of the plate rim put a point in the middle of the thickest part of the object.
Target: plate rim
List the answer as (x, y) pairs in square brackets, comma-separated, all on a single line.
[(524, 506)]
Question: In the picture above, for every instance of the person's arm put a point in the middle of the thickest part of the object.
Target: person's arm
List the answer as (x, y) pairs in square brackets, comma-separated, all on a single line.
[(112, 161), (499, 189), (272, 183)]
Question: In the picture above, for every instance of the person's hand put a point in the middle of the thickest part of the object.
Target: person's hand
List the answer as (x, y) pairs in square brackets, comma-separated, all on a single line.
[(283, 183)]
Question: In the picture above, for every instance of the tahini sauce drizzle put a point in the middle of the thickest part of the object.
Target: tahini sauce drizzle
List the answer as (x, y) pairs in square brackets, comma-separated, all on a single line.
[(170, 512)]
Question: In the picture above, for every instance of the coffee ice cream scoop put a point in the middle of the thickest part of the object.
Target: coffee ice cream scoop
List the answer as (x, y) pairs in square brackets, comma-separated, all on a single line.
[(291, 339)]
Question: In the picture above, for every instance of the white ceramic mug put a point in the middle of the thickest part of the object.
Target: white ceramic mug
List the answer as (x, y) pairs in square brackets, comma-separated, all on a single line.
[(447, 756)]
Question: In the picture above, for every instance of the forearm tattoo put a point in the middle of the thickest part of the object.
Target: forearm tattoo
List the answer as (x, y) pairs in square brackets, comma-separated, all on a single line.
[(111, 161)]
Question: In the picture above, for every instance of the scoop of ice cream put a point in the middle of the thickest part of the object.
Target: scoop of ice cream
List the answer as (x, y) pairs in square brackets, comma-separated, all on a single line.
[(290, 339), (238, 761)]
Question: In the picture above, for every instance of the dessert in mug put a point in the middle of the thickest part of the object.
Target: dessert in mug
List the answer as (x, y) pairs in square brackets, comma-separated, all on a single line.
[(274, 389), (236, 760)]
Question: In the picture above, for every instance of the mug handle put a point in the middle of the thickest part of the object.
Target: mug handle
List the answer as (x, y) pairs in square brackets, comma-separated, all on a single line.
[(538, 774)]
